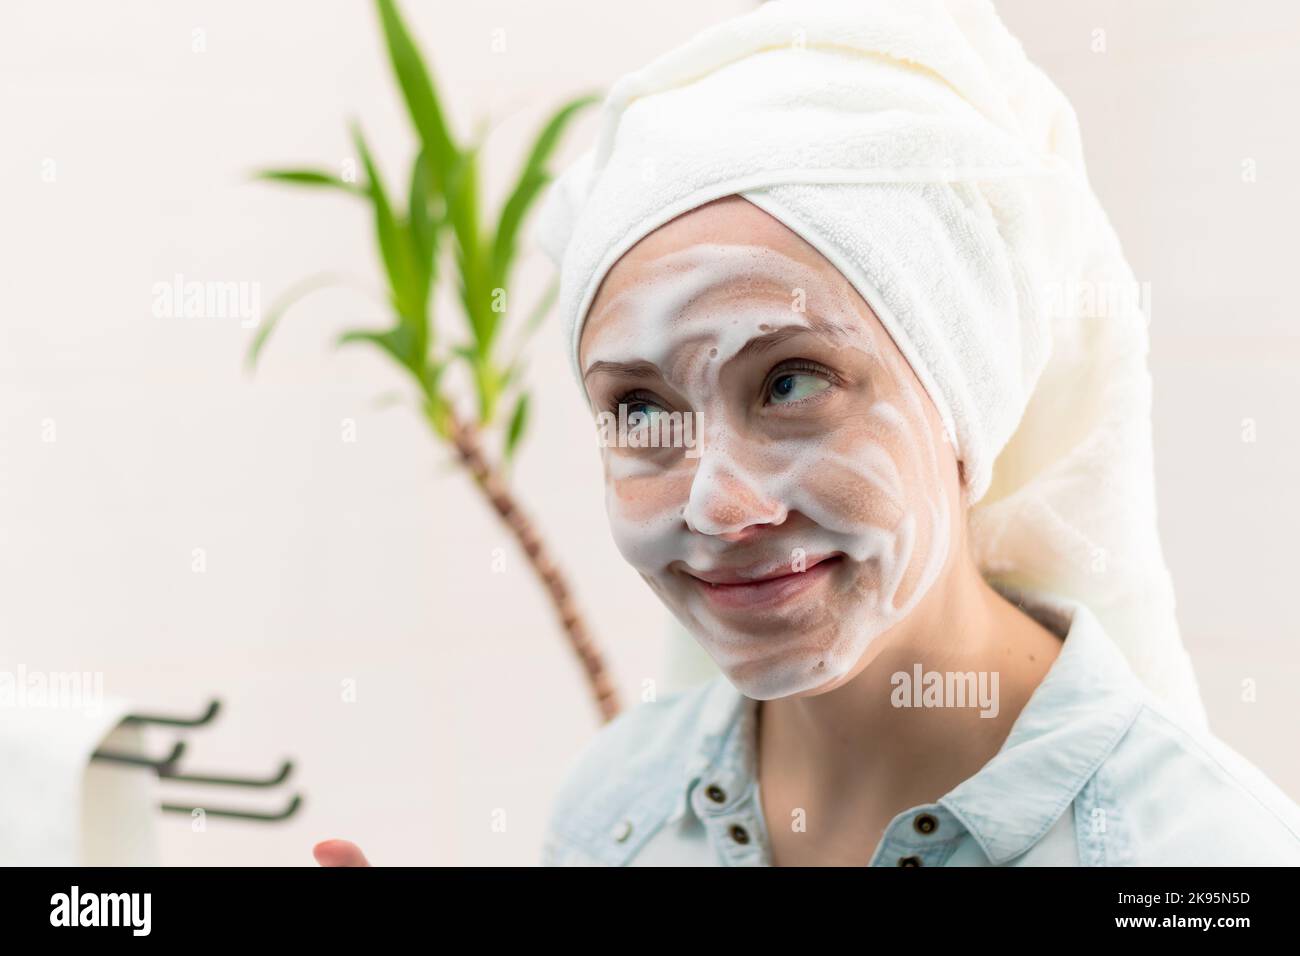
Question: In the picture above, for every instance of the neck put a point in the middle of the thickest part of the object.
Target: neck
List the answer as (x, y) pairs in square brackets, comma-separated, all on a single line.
[(855, 743)]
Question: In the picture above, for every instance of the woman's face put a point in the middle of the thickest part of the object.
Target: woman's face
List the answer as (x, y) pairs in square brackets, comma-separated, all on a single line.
[(812, 499)]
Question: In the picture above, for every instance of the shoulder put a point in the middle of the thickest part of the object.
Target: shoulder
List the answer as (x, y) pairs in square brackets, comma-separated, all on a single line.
[(1180, 795), (624, 782)]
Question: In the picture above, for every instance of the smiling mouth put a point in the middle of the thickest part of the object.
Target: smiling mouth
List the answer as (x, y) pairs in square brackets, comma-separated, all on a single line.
[(733, 592)]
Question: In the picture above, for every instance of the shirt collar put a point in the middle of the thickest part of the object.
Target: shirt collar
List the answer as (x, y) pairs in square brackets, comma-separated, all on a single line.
[(1071, 723)]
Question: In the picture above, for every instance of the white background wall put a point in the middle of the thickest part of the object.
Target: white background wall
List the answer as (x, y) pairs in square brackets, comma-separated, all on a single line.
[(330, 561)]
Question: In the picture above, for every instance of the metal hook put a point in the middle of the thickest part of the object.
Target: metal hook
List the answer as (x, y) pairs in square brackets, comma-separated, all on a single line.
[(166, 769), (171, 773), (135, 760), (207, 717), (284, 814)]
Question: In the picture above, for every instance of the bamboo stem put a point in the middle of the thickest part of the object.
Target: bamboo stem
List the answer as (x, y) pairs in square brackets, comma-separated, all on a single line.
[(465, 437)]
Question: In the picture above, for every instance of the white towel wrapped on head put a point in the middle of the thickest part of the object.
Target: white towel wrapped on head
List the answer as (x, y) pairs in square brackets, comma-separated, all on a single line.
[(914, 145)]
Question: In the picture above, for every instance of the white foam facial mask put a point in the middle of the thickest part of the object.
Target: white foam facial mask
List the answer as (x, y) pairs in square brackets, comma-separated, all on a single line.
[(857, 474)]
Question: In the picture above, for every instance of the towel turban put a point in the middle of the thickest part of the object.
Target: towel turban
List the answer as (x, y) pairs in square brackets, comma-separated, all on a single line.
[(913, 144)]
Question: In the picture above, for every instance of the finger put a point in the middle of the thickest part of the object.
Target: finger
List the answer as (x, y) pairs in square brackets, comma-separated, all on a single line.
[(339, 853)]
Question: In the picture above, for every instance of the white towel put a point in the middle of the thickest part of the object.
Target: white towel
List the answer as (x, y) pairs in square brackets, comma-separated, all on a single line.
[(57, 808), (916, 147)]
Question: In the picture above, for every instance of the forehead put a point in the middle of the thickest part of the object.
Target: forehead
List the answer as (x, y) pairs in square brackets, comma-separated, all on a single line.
[(726, 267)]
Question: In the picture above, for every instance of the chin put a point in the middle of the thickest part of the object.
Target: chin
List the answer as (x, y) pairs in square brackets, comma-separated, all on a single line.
[(801, 675)]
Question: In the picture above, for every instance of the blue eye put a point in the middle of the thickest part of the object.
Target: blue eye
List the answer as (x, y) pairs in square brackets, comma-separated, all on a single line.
[(795, 386), (645, 408), (642, 406)]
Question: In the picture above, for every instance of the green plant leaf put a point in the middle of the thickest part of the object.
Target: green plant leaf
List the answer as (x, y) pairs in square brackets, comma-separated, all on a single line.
[(444, 194), (463, 217), (532, 178), (287, 300), (396, 342), (409, 293), (424, 230), (309, 177), (510, 373), (489, 390), (432, 376), (421, 98), (518, 422), (436, 411)]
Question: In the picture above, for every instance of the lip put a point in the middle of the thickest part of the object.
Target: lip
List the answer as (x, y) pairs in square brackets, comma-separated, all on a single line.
[(745, 590)]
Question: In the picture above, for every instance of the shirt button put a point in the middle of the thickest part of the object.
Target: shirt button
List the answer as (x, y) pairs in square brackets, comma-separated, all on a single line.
[(716, 793), (622, 831), (739, 833), (925, 823), (909, 861)]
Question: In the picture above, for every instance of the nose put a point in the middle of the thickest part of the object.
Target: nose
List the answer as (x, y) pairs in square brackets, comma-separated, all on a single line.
[(726, 502)]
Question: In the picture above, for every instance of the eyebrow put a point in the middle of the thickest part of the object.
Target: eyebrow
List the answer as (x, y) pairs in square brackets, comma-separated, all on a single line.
[(770, 340), (637, 369), (640, 368)]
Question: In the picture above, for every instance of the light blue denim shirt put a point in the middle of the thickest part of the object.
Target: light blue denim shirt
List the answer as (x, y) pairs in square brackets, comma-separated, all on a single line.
[(1094, 772)]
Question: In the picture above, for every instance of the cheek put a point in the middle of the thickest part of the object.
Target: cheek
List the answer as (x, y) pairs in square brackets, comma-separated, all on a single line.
[(645, 511), (863, 474), (879, 481), (641, 499), (856, 499)]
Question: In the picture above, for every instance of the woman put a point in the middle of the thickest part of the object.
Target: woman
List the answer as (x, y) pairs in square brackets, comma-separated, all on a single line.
[(834, 269), (913, 524), (820, 443)]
